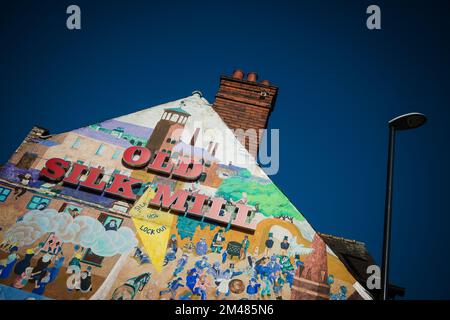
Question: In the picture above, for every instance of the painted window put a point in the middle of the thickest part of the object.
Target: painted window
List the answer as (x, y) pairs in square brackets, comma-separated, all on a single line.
[(71, 209), (116, 154), (4, 193), (27, 160), (100, 150), (110, 223), (38, 202), (76, 144)]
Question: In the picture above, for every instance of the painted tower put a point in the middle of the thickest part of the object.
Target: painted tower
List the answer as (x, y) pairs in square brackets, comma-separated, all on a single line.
[(168, 130)]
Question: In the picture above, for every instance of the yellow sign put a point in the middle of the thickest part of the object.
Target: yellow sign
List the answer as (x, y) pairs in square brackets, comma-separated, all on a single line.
[(153, 227)]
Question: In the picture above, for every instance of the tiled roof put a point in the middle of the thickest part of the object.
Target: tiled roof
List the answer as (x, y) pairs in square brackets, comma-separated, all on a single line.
[(353, 254)]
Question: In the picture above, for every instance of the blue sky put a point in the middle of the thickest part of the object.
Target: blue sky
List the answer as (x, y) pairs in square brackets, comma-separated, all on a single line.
[(339, 85)]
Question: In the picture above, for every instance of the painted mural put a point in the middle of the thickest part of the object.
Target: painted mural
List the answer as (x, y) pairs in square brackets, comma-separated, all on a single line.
[(74, 239)]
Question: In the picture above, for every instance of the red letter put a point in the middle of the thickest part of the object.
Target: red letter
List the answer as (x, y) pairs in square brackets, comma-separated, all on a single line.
[(198, 205), (143, 159), (77, 171), (185, 172), (55, 169), (163, 195), (122, 187), (94, 180), (215, 214), (158, 162), (241, 217)]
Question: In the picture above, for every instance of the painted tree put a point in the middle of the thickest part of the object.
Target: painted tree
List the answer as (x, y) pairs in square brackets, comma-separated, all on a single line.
[(270, 200)]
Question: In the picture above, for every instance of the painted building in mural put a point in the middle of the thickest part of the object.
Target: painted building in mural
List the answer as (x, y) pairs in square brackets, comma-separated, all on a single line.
[(72, 239)]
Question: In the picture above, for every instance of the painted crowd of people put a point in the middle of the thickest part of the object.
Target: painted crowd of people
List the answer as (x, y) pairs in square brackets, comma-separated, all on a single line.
[(268, 273), (45, 270)]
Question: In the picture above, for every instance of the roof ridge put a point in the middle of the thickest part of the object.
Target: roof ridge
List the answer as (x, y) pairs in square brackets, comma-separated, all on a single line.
[(341, 238)]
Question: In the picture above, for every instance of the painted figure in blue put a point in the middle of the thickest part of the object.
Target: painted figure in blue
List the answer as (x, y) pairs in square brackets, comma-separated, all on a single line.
[(261, 266), (266, 291), (252, 289), (274, 266), (140, 256), (330, 279), (218, 241), (298, 262), (224, 256), (289, 276), (180, 264), (203, 263), (201, 286), (7, 265), (56, 267), (172, 288), (284, 245), (341, 295), (278, 284), (223, 283), (191, 279), (234, 273), (202, 247), (173, 244), (269, 245), (214, 270), (172, 248), (41, 284), (263, 270)]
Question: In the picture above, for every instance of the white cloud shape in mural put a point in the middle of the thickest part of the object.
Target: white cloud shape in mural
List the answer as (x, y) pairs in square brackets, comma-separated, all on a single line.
[(83, 230)]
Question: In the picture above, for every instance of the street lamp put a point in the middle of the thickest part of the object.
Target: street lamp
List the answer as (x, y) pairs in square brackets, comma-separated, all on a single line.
[(404, 122)]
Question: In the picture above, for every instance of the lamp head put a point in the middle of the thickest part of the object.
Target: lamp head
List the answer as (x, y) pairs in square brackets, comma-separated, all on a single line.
[(408, 121)]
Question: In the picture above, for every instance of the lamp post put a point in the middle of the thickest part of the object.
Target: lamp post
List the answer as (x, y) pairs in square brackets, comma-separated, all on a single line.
[(403, 122)]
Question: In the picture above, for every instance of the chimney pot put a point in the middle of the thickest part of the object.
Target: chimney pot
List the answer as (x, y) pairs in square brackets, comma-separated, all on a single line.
[(238, 74), (252, 76), (265, 82)]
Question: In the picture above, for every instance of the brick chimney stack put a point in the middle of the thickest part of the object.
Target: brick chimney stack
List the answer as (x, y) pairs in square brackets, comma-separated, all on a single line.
[(245, 103)]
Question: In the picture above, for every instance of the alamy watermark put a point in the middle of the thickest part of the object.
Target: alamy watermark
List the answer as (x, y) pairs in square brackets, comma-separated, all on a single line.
[(373, 22), (73, 21), (374, 280)]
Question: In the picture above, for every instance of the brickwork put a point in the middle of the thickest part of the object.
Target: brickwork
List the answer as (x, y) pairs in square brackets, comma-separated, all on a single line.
[(245, 103)]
